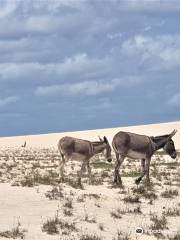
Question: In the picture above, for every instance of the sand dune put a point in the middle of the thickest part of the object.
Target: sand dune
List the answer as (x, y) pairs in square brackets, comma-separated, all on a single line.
[(32, 198), (50, 140)]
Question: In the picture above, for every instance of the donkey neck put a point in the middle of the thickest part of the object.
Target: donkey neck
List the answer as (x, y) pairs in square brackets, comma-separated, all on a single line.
[(159, 142), (98, 147)]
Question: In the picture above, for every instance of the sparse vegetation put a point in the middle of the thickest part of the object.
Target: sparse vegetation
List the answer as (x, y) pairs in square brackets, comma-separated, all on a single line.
[(101, 226), (68, 203), (158, 223), (15, 232), (37, 167), (89, 220), (172, 212), (116, 214), (102, 165), (131, 199), (90, 237), (143, 191), (170, 193), (53, 225), (54, 194), (122, 236)]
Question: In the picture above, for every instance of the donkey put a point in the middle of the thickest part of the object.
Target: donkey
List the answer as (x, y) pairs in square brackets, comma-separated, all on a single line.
[(135, 146), (74, 148)]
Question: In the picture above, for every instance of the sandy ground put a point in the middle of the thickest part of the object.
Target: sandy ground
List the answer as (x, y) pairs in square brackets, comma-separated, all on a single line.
[(50, 140), (30, 193)]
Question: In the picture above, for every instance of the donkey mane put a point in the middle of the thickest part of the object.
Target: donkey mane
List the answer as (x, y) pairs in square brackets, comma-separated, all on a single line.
[(96, 143), (158, 138)]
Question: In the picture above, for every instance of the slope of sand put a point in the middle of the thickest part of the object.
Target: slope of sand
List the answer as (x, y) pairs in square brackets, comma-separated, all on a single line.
[(51, 140), (31, 194)]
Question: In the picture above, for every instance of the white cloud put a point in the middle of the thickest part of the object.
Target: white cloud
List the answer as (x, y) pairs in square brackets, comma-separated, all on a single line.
[(12, 45), (175, 100), (149, 6), (84, 88), (8, 100), (164, 49), (79, 66), (43, 24), (7, 7), (88, 88)]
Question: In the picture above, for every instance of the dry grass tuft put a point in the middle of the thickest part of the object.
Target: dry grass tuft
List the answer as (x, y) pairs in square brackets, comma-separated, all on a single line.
[(15, 232), (90, 237), (131, 199), (158, 223), (53, 225), (170, 193)]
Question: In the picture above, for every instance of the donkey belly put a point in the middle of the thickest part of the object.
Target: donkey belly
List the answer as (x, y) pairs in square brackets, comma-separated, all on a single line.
[(135, 155), (77, 156)]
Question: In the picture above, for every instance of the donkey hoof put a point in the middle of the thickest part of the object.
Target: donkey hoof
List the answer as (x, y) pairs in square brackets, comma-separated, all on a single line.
[(115, 180), (137, 181)]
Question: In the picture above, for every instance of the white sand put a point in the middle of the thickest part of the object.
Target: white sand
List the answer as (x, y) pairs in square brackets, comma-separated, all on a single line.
[(51, 140), (31, 208)]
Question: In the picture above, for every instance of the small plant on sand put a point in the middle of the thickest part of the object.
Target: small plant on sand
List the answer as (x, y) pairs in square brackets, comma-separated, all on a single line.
[(158, 223), (102, 165), (90, 237), (144, 192), (137, 210), (121, 236), (101, 226), (68, 203), (104, 174), (68, 207), (81, 199), (170, 193), (54, 194), (172, 212), (67, 212), (116, 214), (90, 220), (131, 199), (53, 225), (15, 232), (92, 195), (27, 181)]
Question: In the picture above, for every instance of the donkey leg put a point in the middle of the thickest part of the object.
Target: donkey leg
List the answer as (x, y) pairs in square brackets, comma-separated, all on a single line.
[(138, 180), (83, 167), (147, 170), (61, 167), (117, 177), (117, 164), (89, 171)]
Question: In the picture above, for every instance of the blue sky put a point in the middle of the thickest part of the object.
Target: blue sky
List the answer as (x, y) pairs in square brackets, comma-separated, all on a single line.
[(74, 64)]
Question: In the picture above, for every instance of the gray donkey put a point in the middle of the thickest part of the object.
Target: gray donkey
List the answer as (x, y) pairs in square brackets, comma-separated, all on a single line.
[(135, 146), (78, 149)]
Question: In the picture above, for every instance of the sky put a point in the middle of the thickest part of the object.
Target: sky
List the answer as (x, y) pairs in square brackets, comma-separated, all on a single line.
[(68, 65)]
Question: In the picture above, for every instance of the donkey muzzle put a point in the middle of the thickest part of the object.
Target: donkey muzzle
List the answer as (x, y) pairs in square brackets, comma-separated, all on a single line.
[(174, 155), (109, 159)]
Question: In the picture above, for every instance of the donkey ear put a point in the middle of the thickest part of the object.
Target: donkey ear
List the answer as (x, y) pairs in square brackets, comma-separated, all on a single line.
[(105, 139), (172, 134), (101, 140)]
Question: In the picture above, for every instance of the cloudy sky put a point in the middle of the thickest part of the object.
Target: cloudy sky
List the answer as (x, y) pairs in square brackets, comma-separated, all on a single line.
[(75, 64)]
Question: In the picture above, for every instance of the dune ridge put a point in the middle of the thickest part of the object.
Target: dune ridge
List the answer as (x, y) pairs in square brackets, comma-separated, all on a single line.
[(51, 139)]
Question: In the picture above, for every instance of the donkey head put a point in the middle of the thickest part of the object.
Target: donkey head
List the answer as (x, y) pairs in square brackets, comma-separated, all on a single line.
[(170, 147), (108, 148)]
